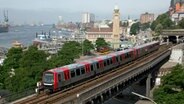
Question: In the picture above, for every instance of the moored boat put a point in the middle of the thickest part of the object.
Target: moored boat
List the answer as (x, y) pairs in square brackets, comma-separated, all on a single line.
[(4, 26)]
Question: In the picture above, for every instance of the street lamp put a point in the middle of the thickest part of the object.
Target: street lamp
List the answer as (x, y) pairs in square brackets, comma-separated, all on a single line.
[(144, 97), (82, 37), (82, 47)]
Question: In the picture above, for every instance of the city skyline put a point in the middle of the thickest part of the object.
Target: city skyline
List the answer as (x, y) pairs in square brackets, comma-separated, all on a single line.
[(47, 11)]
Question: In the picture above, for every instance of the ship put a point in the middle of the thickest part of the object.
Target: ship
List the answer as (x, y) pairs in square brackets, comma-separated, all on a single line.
[(4, 26)]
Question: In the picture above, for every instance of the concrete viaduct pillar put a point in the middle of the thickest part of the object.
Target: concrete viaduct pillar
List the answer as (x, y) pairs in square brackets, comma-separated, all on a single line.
[(167, 40), (148, 85), (177, 39), (160, 38)]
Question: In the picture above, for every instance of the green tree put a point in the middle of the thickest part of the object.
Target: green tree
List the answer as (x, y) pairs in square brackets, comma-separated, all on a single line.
[(20, 82), (144, 26), (34, 61), (171, 91), (87, 46), (100, 42), (13, 58), (164, 20), (1, 77), (66, 55), (175, 78), (153, 25), (158, 29), (12, 61), (71, 49), (181, 23), (167, 23), (135, 28)]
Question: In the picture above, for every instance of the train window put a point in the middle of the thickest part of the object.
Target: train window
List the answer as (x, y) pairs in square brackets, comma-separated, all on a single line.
[(111, 60), (92, 68), (126, 55), (117, 59), (105, 63), (120, 58), (59, 77), (129, 55), (108, 62), (82, 71), (72, 73), (78, 72), (97, 65)]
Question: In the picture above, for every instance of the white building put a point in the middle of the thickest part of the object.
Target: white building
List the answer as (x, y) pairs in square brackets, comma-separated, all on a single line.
[(176, 17), (177, 54), (88, 18), (129, 23), (1, 61), (102, 24)]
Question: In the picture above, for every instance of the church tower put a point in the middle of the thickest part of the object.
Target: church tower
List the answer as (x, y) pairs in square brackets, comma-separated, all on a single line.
[(116, 28)]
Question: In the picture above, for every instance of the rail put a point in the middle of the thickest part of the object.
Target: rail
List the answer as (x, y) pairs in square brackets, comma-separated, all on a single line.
[(73, 92)]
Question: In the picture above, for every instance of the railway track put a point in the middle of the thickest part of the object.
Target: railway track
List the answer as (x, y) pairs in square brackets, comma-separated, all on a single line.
[(74, 90)]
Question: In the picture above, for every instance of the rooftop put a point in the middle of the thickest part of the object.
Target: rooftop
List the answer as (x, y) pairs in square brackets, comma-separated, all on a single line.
[(174, 30), (100, 30)]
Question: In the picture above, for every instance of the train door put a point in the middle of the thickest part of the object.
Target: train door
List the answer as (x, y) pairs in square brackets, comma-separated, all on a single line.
[(138, 52), (113, 60), (134, 53), (122, 58), (99, 65), (55, 81), (86, 66), (66, 74)]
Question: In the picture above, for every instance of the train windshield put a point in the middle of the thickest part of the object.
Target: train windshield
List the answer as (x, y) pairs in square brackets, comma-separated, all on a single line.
[(48, 78)]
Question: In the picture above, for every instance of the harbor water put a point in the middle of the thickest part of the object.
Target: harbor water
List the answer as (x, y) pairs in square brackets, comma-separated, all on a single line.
[(22, 34), (26, 34)]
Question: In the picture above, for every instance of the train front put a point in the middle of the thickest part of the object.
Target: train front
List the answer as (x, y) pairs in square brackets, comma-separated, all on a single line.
[(49, 81)]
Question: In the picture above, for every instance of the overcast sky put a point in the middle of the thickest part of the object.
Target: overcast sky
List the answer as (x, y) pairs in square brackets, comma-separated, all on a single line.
[(47, 11)]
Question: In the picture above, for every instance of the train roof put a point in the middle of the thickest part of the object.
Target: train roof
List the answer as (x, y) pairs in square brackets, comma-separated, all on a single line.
[(96, 59), (71, 66), (147, 44), (101, 57)]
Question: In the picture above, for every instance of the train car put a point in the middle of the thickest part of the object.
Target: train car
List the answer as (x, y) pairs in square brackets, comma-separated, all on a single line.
[(56, 79)]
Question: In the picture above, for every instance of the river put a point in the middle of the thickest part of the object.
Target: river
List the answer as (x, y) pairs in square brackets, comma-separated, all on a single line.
[(22, 34)]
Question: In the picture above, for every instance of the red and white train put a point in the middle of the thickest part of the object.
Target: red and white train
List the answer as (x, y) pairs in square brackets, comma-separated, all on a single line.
[(58, 78)]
